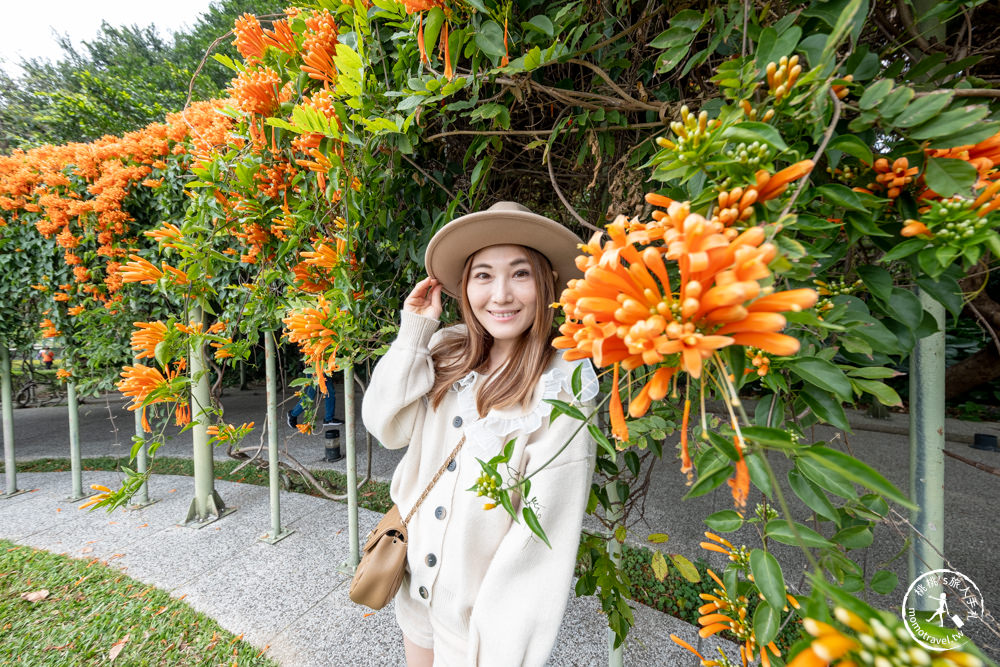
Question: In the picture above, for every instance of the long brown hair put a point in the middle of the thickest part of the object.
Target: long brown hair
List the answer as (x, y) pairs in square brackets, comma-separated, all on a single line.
[(455, 356)]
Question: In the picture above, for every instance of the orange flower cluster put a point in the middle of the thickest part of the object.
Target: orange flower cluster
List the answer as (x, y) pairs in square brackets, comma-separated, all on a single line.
[(724, 612), (256, 91), (875, 641), (139, 381), (146, 337), (626, 310), (77, 193), (49, 329), (320, 46), (140, 270), (311, 329), (414, 6), (892, 178), (985, 157)]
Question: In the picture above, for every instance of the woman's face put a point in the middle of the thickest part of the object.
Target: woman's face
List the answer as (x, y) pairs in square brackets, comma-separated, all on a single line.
[(502, 291)]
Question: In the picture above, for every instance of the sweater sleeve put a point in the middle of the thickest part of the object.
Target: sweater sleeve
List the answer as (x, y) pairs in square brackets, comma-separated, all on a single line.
[(402, 377), (520, 605)]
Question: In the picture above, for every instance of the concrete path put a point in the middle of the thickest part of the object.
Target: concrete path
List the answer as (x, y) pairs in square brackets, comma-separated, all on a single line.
[(287, 597), (971, 530)]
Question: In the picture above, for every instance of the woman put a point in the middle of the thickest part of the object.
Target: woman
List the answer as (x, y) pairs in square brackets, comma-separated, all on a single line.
[(481, 589)]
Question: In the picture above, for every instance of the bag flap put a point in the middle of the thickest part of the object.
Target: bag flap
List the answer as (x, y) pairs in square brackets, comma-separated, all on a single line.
[(391, 522)]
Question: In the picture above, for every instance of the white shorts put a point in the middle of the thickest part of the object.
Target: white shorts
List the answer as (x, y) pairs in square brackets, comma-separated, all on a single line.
[(421, 627)]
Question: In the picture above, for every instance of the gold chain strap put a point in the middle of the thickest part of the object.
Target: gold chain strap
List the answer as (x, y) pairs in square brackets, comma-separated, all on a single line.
[(423, 495)]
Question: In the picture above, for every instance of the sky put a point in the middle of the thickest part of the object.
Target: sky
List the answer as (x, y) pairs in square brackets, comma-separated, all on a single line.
[(29, 29)]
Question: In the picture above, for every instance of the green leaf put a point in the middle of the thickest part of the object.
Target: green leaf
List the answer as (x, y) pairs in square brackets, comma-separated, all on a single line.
[(781, 530), (673, 37), (562, 407), (811, 495), (854, 537), (658, 538), (904, 249), (875, 93), (690, 19), (950, 122), (432, 29), (905, 307), (686, 568), (972, 135), (772, 437), (751, 131), (885, 394), (671, 59), (922, 109), (877, 280), (884, 582), (540, 23), (768, 578), (531, 521), (601, 439), (945, 290), (824, 406), (825, 478), (850, 144), (766, 621), (822, 373), (841, 195), (659, 565), (725, 521), (757, 468), (895, 102), (858, 472), (948, 176), (708, 481), (872, 373)]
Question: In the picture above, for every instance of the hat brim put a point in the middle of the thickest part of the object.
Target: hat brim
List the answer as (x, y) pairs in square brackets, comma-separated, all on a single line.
[(463, 237)]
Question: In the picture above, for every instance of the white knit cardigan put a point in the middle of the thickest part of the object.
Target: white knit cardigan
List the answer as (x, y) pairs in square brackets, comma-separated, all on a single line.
[(478, 571)]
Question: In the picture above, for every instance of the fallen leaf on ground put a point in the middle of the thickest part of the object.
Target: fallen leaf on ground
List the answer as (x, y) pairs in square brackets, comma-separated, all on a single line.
[(86, 550), (35, 596), (117, 647)]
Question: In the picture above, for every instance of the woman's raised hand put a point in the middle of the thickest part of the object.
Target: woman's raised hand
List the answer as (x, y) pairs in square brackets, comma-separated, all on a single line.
[(425, 299)]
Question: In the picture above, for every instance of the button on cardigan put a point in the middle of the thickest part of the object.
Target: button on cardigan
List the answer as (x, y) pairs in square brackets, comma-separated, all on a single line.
[(490, 578)]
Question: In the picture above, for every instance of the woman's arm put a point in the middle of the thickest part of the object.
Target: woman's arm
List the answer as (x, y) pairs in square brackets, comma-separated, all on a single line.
[(523, 597), (392, 402)]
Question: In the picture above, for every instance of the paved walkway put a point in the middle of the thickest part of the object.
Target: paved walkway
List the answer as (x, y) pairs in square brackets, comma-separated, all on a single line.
[(288, 597), (971, 530)]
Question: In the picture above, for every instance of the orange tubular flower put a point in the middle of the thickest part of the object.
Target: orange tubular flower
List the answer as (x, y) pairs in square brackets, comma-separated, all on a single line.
[(140, 271), (626, 311), (619, 429), (769, 187), (146, 337), (167, 236), (310, 329), (63, 374), (281, 37), (916, 228), (138, 381), (249, 37)]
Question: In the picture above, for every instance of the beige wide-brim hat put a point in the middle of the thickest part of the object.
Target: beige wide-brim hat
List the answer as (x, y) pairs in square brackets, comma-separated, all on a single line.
[(503, 223)]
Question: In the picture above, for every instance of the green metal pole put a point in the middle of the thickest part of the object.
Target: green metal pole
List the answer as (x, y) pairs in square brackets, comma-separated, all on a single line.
[(141, 463), (927, 369), (75, 466), (207, 505), (616, 656), (352, 473), (8, 423), (274, 482)]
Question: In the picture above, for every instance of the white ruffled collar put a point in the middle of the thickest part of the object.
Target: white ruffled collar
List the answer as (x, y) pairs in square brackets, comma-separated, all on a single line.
[(486, 435)]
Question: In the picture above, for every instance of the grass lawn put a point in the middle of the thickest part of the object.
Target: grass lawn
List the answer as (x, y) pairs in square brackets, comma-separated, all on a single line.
[(56, 610)]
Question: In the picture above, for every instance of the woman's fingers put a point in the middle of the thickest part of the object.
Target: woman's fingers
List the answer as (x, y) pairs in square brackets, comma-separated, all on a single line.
[(425, 298)]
